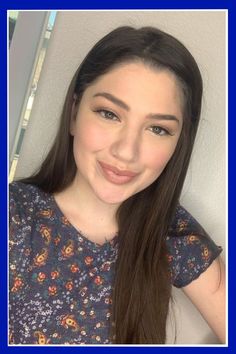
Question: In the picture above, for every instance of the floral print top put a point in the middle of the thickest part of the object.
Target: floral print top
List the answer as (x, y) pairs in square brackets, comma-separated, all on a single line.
[(60, 283)]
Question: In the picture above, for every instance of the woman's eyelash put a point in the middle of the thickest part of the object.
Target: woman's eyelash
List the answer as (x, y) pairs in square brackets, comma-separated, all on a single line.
[(107, 114), (159, 130)]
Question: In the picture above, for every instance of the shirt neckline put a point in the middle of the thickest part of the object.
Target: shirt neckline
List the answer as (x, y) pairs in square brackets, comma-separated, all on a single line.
[(91, 244)]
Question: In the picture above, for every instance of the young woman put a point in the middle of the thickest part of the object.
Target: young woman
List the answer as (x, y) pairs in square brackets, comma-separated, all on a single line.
[(97, 235)]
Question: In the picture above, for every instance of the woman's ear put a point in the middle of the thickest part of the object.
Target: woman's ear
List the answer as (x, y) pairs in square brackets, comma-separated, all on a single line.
[(74, 110)]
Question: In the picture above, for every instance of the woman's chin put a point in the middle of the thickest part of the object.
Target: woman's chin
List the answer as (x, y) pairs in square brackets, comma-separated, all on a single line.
[(112, 198)]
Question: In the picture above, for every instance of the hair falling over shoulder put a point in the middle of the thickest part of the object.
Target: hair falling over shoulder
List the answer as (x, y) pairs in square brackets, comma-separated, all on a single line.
[(142, 288)]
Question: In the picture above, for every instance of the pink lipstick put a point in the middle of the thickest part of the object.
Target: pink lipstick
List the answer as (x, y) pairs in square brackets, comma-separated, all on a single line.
[(115, 175)]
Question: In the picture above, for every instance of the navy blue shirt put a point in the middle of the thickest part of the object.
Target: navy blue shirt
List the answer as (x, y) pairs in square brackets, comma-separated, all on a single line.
[(61, 283)]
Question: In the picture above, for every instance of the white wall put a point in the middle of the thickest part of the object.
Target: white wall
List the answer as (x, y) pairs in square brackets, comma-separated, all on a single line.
[(203, 32), (23, 54)]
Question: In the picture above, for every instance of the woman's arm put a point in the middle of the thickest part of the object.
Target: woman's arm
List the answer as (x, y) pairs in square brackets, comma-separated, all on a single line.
[(207, 293)]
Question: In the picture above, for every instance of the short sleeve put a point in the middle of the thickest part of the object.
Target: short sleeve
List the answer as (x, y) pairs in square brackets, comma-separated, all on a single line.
[(20, 226), (20, 214), (190, 249)]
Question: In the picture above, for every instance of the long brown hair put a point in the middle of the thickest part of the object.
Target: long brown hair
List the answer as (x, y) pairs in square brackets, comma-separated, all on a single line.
[(142, 286)]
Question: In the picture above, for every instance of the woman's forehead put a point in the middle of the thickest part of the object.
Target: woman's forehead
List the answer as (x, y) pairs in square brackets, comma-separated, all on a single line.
[(140, 84)]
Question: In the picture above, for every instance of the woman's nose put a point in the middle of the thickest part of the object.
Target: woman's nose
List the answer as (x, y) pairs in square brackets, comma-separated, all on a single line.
[(126, 145)]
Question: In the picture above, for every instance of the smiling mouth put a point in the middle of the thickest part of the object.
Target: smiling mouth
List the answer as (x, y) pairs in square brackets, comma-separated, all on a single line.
[(115, 175)]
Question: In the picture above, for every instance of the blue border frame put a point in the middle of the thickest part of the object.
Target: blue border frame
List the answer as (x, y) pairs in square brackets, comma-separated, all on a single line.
[(122, 4)]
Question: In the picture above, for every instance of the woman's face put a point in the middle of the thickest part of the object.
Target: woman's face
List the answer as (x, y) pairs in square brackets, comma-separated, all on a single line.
[(126, 129)]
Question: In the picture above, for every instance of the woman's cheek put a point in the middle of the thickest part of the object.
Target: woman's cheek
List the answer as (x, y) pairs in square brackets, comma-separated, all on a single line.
[(93, 137), (159, 160)]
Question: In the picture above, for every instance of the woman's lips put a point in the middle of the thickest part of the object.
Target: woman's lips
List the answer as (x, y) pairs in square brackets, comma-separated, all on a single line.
[(114, 175)]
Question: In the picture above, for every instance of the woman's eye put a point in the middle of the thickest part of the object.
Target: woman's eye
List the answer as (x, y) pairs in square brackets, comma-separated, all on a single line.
[(159, 131), (107, 114)]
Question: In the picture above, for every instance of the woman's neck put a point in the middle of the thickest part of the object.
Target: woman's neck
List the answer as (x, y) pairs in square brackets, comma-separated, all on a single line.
[(87, 213)]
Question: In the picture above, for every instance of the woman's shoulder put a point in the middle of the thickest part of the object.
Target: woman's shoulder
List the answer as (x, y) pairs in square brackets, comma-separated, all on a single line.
[(22, 191), (184, 223), (23, 194), (190, 250), (25, 201)]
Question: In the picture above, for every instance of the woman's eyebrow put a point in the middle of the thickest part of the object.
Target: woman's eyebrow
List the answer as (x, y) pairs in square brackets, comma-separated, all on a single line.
[(163, 116), (123, 105), (113, 99)]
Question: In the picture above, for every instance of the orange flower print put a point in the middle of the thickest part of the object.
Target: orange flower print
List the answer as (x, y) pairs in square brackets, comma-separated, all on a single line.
[(65, 221), (57, 239), (83, 291), (74, 268), (106, 266), (52, 290), (68, 250), (97, 338), (17, 285), (205, 253), (40, 258), (88, 260), (192, 239), (46, 233), (11, 340), (190, 265), (41, 277), (54, 274), (27, 252), (108, 300), (99, 325), (69, 285), (46, 213), (169, 258), (68, 321), (83, 314), (182, 225), (98, 280), (92, 313), (41, 338)]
